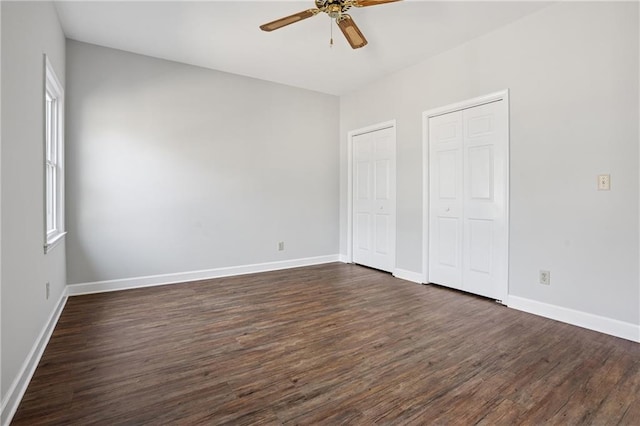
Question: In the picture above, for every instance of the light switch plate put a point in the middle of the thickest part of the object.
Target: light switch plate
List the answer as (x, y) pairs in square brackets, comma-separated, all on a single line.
[(604, 182)]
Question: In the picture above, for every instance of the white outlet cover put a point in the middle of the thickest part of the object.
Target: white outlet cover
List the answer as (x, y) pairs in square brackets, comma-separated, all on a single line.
[(604, 182), (545, 277)]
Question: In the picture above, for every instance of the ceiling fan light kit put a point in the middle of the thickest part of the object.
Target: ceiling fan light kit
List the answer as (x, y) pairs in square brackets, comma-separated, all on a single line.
[(336, 10)]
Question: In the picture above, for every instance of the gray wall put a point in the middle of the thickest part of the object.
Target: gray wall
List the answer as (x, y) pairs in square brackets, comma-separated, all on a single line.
[(174, 168), (29, 30), (572, 71)]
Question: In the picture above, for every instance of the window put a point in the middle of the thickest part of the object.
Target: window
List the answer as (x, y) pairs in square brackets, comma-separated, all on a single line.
[(54, 158)]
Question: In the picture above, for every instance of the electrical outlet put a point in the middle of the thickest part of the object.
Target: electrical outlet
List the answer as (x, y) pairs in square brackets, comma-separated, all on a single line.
[(604, 182), (545, 277), (281, 246), (46, 286)]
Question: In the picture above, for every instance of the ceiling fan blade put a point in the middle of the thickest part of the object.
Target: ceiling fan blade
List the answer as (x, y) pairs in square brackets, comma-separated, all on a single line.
[(365, 3), (283, 22), (351, 31)]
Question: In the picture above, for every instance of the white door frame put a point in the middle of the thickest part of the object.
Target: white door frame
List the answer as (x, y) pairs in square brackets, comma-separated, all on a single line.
[(469, 103), (391, 124)]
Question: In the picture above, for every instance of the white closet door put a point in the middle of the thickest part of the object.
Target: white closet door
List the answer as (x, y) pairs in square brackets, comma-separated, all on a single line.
[(445, 189), (374, 213), (485, 183), (468, 222)]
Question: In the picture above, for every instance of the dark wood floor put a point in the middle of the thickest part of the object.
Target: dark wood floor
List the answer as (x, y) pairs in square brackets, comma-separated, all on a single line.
[(329, 344)]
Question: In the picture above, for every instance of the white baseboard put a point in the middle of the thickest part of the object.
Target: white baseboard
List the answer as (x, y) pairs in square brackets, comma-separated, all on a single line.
[(605, 325), (343, 258), (154, 280), (403, 274), (19, 386)]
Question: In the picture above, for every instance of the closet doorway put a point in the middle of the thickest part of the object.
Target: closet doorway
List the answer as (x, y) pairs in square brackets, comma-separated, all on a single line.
[(467, 196), (372, 196)]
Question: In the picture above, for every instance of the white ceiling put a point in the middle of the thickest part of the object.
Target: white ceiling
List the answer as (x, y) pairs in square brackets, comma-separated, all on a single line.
[(224, 35)]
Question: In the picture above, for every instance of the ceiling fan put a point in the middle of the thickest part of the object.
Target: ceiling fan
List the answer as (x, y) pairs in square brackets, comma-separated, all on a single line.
[(336, 10)]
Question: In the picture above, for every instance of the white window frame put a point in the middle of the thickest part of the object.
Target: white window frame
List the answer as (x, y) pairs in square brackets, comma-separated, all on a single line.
[(53, 158)]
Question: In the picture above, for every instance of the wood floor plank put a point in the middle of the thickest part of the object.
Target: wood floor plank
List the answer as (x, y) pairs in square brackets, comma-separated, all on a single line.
[(328, 344)]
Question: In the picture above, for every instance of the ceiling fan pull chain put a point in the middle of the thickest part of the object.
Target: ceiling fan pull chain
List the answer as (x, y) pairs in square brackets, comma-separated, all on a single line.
[(331, 32)]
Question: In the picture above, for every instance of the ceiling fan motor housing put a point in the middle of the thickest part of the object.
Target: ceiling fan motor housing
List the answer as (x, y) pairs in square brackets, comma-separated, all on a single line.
[(334, 8)]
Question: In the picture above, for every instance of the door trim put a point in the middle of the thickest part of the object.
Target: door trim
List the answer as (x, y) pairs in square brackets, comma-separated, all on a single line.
[(502, 95), (391, 124)]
